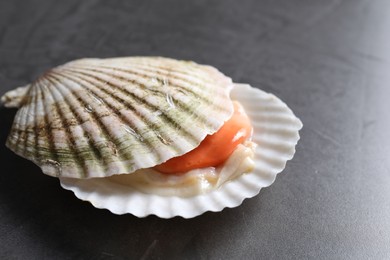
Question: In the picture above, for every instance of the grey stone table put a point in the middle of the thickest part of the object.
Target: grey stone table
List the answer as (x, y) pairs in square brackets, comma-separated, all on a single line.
[(329, 60)]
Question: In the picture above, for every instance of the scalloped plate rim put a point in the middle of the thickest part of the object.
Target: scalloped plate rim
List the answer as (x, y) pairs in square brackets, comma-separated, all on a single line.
[(77, 186)]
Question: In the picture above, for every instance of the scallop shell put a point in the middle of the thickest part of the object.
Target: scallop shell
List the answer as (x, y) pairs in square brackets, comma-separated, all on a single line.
[(276, 132), (99, 117)]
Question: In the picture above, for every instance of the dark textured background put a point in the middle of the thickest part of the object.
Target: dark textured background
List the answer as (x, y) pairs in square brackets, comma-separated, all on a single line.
[(329, 60)]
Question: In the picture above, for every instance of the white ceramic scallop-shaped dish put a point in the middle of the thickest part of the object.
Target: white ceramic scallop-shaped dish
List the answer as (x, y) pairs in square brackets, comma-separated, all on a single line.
[(276, 131)]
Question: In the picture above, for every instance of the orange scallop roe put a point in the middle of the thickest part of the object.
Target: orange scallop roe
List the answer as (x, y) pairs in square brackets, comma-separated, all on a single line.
[(214, 149)]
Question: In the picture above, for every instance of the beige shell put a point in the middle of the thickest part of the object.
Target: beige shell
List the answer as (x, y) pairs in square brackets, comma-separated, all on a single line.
[(99, 117)]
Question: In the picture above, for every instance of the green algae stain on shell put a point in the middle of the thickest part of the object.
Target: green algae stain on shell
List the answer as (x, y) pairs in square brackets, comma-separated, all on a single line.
[(100, 117)]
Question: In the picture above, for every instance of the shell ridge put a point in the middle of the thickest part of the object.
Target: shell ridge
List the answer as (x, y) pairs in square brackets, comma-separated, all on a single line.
[(159, 63), (119, 116), (183, 105), (37, 105), (128, 106), (200, 94), (164, 74), (167, 64), (202, 71), (164, 71), (21, 123), (130, 71), (162, 136), (102, 142), (72, 148), (29, 118), (74, 151), (36, 101), (151, 106), (147, 67), (18, 128), (200, 116), (53, 157)]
